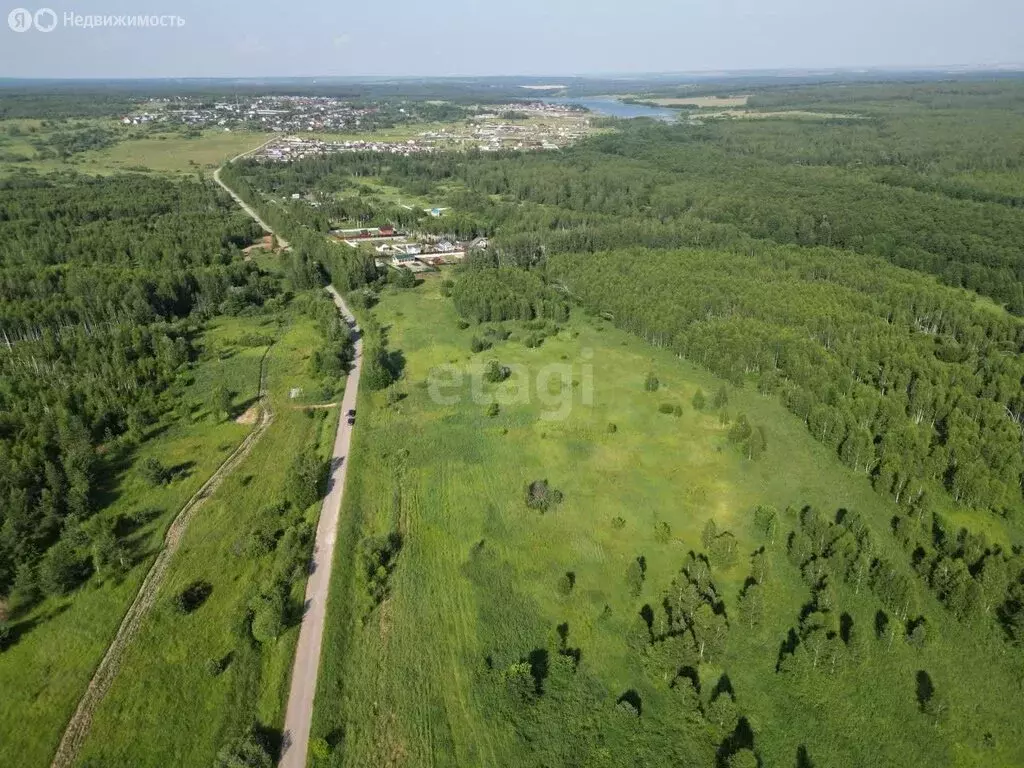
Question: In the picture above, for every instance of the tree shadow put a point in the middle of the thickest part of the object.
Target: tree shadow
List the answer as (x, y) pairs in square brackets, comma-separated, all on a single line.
[(633, 699), (723, 686), (691, 674), (881, 624), (271, 738), (845, 627), (741, 738), (925, 689), (803, 760), (539, 666), (18, 630), (181, 471)]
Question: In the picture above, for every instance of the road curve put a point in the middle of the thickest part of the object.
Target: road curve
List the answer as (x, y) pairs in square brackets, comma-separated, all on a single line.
[(244, 205), (299, 715)]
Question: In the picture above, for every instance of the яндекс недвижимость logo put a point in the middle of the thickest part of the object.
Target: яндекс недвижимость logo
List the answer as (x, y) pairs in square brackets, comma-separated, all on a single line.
[(22, 20)]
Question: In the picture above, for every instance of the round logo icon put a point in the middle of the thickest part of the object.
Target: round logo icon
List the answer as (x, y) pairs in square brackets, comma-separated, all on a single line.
[(20, 20), (45, 20)]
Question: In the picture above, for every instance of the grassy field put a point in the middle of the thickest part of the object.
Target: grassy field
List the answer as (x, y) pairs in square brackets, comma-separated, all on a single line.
[(137, 150), (62, 640), (180, 713), (404, 683)]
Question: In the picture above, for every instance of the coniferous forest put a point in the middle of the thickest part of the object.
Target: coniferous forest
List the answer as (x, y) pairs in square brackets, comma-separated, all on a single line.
[(99, 278)]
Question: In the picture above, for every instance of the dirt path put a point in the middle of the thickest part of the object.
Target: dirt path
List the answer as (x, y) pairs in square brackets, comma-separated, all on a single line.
[(78, 727), (299, 715)]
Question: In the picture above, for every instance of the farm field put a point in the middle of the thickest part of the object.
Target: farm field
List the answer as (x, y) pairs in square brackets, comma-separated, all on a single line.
[(61, 640), (481, 583), (182, 713)]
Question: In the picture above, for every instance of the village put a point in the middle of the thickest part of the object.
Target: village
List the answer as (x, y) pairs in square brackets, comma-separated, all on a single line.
[(420, 253), (512, 127)]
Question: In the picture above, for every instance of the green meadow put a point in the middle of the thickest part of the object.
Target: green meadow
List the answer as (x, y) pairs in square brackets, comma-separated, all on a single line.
[(191, 682), (61, 641), (481, 581)]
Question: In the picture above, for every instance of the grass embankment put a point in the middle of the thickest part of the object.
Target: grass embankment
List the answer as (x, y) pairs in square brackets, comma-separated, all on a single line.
[(62, 640), (403, 683), (178, 712)]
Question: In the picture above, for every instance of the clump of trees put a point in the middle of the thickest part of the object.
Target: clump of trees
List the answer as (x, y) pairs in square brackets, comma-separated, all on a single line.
[(379, 555), (541, 496)]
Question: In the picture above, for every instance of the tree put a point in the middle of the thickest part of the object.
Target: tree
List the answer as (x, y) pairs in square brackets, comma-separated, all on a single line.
[(721, 399), (246, 751), (61, 568), (304, 483), (651, 383), (220, 402), (635, 577), (709, 534), (495, 372), (268, 617), (153, 471), (743, 758), (698, 400)]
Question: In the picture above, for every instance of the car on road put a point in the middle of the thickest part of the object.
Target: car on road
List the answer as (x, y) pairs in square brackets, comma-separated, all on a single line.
[(351, 417)]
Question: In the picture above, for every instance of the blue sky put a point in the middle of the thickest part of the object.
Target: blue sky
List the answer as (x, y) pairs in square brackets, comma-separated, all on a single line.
[(259, 38)]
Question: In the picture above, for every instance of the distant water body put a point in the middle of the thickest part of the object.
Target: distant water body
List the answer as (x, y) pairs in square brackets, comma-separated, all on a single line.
[(609, 107)]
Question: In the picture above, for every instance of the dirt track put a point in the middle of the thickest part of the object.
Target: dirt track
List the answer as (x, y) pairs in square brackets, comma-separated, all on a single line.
[(78, 727)]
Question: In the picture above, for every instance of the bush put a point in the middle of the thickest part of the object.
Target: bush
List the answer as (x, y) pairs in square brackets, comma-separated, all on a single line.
[(651, 383), (5, 635), (565, 583), (463, 325), (533, 341), (476, 344), (618, 523), (320, 749), (214, 667), (662, 532), (493, 410), (612, 429), (666, 408), (193, 596)]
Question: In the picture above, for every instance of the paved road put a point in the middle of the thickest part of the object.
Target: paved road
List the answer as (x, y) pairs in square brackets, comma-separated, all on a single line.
[(299, 715)]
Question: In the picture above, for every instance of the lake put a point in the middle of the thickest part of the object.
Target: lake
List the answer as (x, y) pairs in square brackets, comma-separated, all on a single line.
[(607, 106)]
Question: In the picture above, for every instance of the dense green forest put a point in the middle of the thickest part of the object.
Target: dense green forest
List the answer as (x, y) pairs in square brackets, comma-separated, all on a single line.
[(102, 281)]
